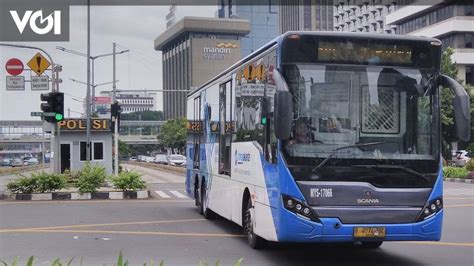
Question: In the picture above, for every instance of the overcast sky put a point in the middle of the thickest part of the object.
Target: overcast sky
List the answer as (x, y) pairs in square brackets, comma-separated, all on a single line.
[(132, 27)]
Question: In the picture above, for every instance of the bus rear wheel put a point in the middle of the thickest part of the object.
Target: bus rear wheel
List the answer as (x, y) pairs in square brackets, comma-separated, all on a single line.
[(371, 244), (204, 210), (254, 240)]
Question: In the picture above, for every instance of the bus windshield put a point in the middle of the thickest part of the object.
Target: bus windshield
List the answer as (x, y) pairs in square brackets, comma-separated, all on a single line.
[(393, 108)]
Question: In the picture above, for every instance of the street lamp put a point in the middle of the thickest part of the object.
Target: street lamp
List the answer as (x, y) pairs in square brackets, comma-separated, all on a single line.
[(93, 87), (92, 58)]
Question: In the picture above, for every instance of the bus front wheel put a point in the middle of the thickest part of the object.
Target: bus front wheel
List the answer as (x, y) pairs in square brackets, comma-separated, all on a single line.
[(254, 240)]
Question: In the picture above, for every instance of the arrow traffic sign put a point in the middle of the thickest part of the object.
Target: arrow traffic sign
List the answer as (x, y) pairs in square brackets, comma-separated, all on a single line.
[(14, 66), (38, 64)]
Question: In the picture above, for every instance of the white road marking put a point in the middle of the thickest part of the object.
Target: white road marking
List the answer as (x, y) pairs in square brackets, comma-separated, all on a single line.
[(162, 194), (177, 194), (459, 191)]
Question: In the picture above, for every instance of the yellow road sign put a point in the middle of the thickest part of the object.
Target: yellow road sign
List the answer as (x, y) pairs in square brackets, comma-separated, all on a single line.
[(38, 64)]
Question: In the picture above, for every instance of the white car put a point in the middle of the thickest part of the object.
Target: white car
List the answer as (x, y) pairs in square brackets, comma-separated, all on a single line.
[(177, 159), (461, 157), (30, 161)]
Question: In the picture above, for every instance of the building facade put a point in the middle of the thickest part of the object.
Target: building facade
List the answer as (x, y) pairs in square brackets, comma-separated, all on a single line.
[(194, 50), (307, 15), (134, 100), (452, 23), (365, 16), (263, 18)]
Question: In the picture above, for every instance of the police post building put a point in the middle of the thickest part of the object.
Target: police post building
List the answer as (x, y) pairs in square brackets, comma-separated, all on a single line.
[(73, 144)]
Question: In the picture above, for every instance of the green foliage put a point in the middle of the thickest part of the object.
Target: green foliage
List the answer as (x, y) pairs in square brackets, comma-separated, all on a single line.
[(470, 165), (120, 262), (49, 182), (449, 68), (23, 185), (128, 181), (124, 149), (470, 147), (173, 133), (455, 172), (38, 182), (90, 178)]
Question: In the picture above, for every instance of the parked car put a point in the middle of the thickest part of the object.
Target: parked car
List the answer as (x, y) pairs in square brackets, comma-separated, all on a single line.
[(6, 162), (177, 159), (148, 159), (30, 161), (132, 159), (17, 162), (161, 159), (461, 157)]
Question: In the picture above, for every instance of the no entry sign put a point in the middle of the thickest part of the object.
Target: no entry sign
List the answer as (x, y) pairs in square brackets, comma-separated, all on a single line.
[(14, 66)]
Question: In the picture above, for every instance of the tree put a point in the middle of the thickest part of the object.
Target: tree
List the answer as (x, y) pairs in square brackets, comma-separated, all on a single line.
[(124, 149), (173, 133), (449, 68)]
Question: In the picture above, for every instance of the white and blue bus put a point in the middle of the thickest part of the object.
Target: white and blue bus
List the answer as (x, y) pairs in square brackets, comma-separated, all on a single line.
[(325, 137)]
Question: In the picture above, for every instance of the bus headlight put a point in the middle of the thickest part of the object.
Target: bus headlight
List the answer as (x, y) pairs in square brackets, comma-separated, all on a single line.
[(431, 209), (299, 208)]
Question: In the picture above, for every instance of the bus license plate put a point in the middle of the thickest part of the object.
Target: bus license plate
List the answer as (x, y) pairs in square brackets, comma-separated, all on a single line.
[(369, 232)]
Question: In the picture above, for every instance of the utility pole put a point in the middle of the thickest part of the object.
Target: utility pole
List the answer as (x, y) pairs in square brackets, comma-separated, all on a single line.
[(88, 95), (114, 88)]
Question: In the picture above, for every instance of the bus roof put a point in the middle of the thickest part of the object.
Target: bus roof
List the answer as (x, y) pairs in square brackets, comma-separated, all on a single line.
[(278, 40)]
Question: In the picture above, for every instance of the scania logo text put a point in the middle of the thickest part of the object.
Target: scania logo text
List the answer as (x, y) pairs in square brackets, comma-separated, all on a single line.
[(36, 21), (367, 201)]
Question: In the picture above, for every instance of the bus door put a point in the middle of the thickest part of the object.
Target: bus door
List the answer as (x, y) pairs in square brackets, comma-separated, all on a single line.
[(225, 127), (197, 134)]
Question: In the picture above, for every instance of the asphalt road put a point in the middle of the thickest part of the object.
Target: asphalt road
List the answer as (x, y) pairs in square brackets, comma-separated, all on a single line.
[(169, 228)]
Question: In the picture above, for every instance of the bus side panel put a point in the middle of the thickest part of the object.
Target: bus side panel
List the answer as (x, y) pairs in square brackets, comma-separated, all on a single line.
[(247, 168)]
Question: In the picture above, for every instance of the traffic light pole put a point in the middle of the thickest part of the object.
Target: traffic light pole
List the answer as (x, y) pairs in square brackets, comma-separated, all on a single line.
[(88, 96), (55, 88)]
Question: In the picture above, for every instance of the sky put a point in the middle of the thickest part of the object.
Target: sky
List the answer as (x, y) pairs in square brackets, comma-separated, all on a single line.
[(131, 27)]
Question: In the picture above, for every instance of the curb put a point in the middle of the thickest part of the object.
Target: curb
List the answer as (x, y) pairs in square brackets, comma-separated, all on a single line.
[(112, 195), (460, 180)]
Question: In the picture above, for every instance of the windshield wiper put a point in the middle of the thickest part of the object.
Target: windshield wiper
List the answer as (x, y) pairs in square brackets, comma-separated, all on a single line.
[(359, 145), (400, 167)]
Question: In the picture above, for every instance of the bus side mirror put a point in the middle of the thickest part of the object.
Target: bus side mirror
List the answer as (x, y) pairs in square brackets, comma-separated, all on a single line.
[(461, 105), (283, 112)]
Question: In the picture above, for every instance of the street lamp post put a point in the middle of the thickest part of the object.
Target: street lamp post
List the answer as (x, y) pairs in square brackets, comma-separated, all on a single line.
[(92, 58)]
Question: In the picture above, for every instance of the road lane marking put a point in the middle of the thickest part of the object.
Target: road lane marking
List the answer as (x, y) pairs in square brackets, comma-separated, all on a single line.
[(459, 205), (459, 191), (94, 201), (101, 224), (133, 233), (162, 194), (459, 198), (455, 244), (177, 194)]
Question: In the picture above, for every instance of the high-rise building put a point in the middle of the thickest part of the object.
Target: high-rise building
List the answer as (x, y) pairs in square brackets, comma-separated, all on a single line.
[(134, 100), (263, 18), (194, 50), (452, 23), (308, 15), (364, 15)]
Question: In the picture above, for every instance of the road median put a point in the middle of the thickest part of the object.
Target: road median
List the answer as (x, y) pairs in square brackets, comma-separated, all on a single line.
[(167, 168)]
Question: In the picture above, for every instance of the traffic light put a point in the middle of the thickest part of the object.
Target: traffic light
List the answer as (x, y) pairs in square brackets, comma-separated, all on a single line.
[(54, 103), (115, 111)]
